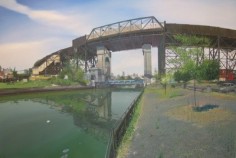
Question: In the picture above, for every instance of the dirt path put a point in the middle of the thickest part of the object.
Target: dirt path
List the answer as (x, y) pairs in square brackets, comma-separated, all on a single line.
[(161, 135)]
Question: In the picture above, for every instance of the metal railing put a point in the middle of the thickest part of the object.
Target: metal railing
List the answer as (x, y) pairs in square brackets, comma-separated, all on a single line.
[(119, 129)]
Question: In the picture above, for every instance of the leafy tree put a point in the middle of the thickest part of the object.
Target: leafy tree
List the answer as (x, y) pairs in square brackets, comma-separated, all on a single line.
[(157, 76), (74, 73), (187, 60), (14, 72), (192, 40), (209, 70), (189, 67), (182, 76), (165, 80)]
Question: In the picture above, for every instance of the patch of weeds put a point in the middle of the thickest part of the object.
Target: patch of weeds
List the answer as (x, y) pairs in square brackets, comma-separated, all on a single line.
[(126, 140), (160, 92), (175, 93), (186, 113), (230, 96)]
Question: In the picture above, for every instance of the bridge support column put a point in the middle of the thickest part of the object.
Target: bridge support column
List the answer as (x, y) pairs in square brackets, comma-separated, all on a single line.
[(104, 62), (147, 63), (161, 56), (147, 60)]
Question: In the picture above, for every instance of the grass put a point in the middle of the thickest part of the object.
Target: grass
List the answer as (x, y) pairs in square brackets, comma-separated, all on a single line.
[(224, 95), (170, 92), (186, 113), (126, 140), (29, 84), (38, 84)]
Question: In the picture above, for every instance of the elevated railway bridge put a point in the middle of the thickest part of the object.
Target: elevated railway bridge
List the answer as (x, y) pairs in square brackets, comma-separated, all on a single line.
[(95, 49)]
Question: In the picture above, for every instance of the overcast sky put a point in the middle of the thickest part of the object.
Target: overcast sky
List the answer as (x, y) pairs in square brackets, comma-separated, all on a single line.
[(32, 29)]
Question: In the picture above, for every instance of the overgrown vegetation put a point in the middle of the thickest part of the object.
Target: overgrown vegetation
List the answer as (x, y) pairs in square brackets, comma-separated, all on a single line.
[(70, 75), (189, 65), (29, 84), (126, 140)]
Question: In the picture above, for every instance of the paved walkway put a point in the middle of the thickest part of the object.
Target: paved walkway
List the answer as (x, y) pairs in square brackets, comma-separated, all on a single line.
[(158, 135)]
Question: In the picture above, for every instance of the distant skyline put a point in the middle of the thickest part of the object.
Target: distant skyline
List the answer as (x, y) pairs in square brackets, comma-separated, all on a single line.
[(32, 29)]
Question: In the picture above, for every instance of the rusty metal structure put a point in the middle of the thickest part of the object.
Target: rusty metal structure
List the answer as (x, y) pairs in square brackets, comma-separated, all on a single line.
[(134, 33)]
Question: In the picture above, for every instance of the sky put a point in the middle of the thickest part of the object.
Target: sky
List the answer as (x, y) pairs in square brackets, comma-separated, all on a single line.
[(32, 29)]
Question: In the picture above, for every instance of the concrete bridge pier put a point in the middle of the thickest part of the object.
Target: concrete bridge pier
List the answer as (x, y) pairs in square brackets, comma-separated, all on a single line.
[(147, 53), (102, 71)]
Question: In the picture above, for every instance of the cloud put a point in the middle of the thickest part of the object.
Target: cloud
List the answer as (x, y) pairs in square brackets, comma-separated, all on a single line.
[(75, 24), (192, 12), (23, 55)]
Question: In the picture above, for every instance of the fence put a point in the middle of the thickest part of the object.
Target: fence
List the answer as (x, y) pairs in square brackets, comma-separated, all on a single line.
[(119, 129)]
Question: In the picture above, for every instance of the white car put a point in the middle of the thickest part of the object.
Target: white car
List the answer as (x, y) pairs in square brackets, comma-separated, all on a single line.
[(228, 87)]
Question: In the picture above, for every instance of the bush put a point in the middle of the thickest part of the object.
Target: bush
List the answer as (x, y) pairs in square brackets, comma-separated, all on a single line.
[(184, 76), (61, 82)]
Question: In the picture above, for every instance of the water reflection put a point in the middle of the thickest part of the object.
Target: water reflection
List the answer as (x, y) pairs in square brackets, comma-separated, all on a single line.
[(92, 112)]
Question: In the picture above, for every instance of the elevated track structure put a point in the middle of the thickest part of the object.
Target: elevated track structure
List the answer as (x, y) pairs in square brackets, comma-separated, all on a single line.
[(95, 49)]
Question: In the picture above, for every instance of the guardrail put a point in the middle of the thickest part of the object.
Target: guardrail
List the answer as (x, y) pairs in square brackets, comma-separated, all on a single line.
[(119, 129)]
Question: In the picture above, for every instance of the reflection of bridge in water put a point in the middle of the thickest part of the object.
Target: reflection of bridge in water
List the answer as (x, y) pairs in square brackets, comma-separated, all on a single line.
[(96, 118)]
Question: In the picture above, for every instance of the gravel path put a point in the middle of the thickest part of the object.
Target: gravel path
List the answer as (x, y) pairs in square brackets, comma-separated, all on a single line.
[(160, 136)]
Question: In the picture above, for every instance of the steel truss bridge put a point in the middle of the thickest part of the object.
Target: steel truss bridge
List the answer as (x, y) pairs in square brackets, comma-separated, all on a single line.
[(125, 82), (134, 33)]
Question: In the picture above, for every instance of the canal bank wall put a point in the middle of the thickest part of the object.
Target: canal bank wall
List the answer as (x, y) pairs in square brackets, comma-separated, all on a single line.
[(120, 128)]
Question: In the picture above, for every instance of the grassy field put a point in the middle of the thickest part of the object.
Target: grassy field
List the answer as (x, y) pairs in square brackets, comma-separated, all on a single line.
[(29, 84), (37, 84), (160, 92)]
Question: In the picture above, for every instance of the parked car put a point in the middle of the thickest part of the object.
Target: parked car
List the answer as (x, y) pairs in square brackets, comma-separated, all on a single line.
[(227, 87)]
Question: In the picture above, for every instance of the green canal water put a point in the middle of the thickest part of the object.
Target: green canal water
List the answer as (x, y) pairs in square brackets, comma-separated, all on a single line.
[(71, 124)]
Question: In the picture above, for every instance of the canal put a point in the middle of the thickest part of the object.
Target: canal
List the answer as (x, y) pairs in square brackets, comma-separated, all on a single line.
[(69, 124)]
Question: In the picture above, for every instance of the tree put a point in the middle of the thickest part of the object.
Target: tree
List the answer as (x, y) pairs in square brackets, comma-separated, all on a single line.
[(189, 67), (209, 70), (74, 73), (184, 76), (156, 76), (14, 72), (165, 80)]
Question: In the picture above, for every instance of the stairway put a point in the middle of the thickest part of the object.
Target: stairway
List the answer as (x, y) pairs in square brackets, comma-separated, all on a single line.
[(52, 59)]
